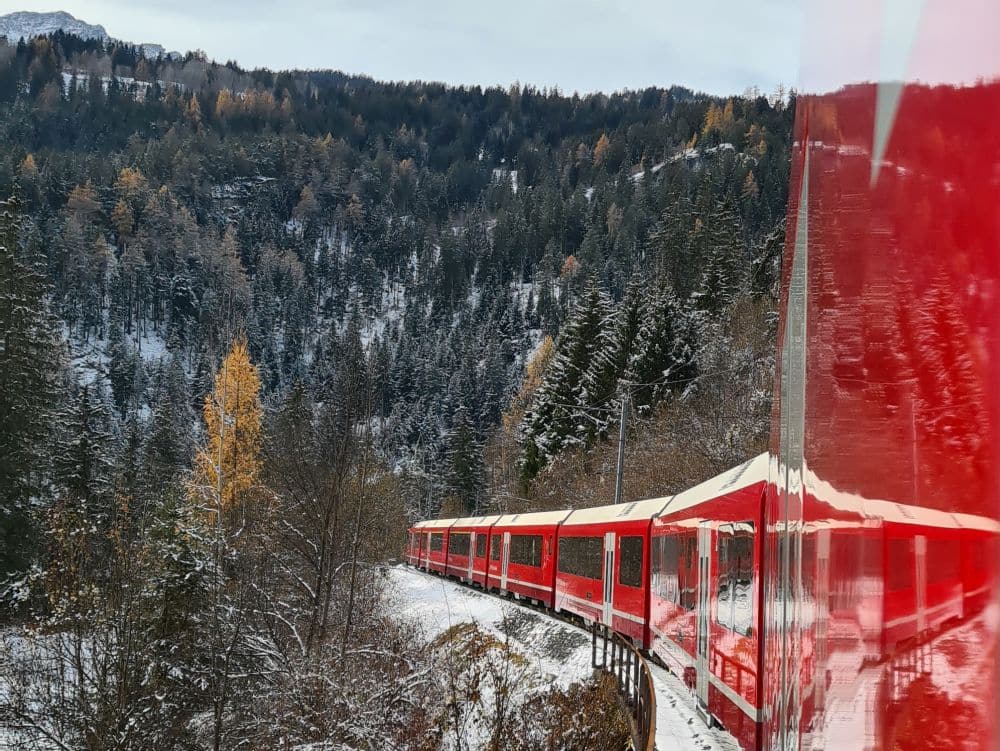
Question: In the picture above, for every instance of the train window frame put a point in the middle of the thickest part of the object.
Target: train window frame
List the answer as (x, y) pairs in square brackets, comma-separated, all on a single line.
[(735, 560), (456, 538), (496, 547), (435, 542), (582, 563), (481, 539), (526, 550), (630, 566)]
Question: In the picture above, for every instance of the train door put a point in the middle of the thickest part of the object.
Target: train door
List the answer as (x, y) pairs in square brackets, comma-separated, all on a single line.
[(504, 560), (609, 577), (704, 604)]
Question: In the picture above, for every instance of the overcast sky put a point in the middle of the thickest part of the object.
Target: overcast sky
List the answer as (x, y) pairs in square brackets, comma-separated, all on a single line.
[(718, 46)]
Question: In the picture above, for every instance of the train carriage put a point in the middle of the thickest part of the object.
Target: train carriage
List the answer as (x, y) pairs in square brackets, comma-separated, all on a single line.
[(522, 558), (468, 546), (434, 545), (705, 593), (603, 565)]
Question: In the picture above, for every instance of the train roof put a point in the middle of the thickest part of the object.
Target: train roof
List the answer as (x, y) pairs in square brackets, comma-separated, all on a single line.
[(477, 521), (618, 512), (537, 518), (893, 511), (749, 473), (434, 524)]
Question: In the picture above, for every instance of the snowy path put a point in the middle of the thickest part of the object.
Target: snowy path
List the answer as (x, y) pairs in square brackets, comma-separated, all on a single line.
[(560, 651)]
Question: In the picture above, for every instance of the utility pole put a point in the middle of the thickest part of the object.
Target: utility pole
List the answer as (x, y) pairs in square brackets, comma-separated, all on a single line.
[(621, 449)]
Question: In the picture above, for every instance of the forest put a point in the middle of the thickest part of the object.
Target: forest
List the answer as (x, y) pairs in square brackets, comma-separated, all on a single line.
[(254, 323)]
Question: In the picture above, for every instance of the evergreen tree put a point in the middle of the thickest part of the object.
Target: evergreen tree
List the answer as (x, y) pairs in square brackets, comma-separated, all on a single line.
[(466, 473), (30, 360), (724, 267), (559, 408), (601, 385), (663, 356)]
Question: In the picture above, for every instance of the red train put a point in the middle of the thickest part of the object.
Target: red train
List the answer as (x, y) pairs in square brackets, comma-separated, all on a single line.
[(682, 577)]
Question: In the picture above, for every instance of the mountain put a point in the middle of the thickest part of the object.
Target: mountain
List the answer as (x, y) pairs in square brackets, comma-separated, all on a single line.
[(28, 24)]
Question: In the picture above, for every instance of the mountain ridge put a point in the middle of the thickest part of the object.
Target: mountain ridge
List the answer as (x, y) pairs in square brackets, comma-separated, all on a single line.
[(25, 24)]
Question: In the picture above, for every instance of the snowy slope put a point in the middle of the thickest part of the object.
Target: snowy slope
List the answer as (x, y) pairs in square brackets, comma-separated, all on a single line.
[(560, 652)]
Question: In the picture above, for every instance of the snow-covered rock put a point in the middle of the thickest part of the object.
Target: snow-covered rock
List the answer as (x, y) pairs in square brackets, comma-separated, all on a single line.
[(28, 25)]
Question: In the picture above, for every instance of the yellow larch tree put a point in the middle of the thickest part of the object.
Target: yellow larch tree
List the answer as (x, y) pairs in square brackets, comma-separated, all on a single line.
[(601, 148), (233, 428)]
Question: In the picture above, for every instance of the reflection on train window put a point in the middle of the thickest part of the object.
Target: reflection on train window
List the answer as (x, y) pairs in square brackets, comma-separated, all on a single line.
[(943, 558), (526, 550), (437, 543), (674, 577), (458, 543), (581, 556), (735, 580), (630, 561), (480, 546), (901, 565), (495, 548)]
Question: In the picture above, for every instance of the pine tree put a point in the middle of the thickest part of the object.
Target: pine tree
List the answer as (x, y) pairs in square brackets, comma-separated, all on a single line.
[(559, 408), (30, 360), (227, 466), (170, 442), (602, 383), (466, 472), (84, 465), (724, 267), (663, 356)]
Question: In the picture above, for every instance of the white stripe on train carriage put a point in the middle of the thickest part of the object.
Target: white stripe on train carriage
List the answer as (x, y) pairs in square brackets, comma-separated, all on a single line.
[(746, 707), (598, 605), (954, 601), (579, 600), (529, 584), (629, 617), (671, 644)]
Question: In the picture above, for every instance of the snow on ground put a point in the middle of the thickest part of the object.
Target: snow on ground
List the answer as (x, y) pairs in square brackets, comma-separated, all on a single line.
[(559, 651)]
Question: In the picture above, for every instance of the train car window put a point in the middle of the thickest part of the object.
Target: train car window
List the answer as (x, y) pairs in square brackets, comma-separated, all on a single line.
[(723, 592), (495, 548), (458, 543), (943, 557), (666, 556), (437, 542), (526, 550), (734, 591), (581, 556), (480, 546), (742, 579), (630, 562), (687, 573)]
